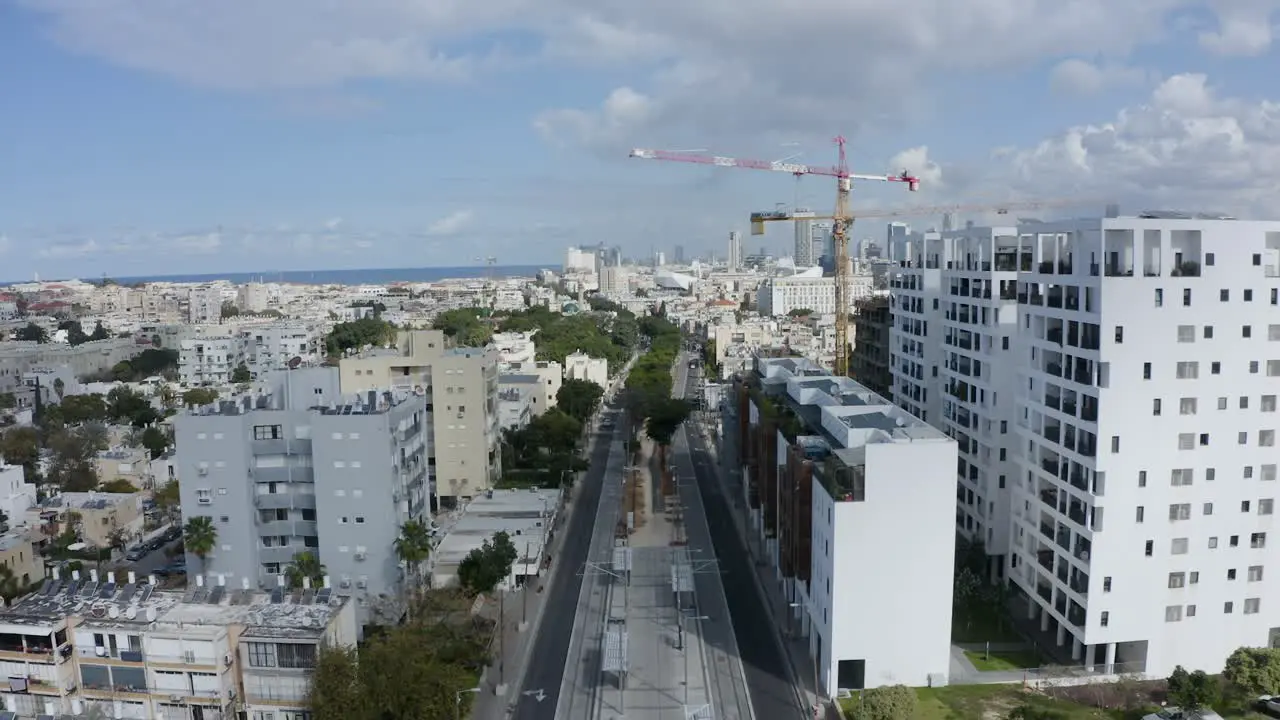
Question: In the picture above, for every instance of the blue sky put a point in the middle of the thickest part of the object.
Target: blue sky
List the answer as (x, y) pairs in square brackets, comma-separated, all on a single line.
[(142, 138)]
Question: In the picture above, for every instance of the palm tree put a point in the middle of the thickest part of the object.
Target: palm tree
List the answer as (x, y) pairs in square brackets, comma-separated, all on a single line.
[(307, 566), (413, 547), (200, 536)]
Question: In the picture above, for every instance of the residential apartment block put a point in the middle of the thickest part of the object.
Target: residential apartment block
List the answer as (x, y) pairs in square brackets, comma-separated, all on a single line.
[(18, 358), (302, 467), (869, 362), (1136, 455), (209, 360), (780, 295), (461, 389), (845, 492), (262, 348), (114, 647)]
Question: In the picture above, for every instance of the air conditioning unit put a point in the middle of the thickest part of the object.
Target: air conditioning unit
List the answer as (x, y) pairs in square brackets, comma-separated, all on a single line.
[(362, 584), (100, 651), (202, 471), (344, 583), (361, 556)]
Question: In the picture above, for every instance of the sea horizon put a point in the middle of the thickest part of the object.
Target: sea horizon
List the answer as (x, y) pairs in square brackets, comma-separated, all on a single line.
[(353, 276)]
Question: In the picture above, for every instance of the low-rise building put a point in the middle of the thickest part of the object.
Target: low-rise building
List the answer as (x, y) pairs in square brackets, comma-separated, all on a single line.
[(514, 348), (526, 516), (541, 380), (581, 366), (18, 555), (124, 463), (101, 514), (515, 407), (845, 490), (17, 496), (114, 647), (209, 360)]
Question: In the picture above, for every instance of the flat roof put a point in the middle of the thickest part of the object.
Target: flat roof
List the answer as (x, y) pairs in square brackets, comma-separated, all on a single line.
[(525, 515)]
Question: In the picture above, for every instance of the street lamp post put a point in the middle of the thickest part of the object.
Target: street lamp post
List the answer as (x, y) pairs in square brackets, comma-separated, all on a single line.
[(457, 701), (684, 646)]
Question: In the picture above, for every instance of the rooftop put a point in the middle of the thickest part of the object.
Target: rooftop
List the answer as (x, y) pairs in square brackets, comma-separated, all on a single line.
[(280, 613), (525, 515), (87, 500)]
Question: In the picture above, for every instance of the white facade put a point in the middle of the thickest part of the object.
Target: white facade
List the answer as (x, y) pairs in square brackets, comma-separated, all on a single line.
[(881, 502), (954, 341), (781, 295), (252, 297), (580, 366), (204, 305), (1145, 375), (615, 281), (274, 346), (735, 251), (577, 260), (514, 348), (209, 360), (16, 494)]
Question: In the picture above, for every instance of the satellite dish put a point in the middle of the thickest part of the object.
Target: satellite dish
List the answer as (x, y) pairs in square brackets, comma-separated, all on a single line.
[(294, 362)]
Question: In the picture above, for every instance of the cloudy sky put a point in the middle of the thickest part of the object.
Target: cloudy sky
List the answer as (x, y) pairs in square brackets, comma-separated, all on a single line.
[(143, 137)]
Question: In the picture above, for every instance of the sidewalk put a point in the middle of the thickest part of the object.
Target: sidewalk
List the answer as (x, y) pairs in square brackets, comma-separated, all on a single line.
[(796, 648)]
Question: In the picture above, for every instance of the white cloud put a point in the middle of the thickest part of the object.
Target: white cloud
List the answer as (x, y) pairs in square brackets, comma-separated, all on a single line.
[(1080, 77), (451, 224), (705, 70), (1186, 147), (194, 244), (917, 162), (1245, 27), (69, 249)]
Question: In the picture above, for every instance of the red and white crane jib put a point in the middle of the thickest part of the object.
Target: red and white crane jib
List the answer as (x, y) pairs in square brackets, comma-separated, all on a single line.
[(913, 183)]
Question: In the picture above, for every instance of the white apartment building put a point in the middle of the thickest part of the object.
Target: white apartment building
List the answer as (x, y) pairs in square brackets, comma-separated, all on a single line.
[(210, 360), (1145, 384), (204, 304), (253, 297), (615, 281), (274, 346), (581, 366), (579, 260), (954, 341), (781, 295), (855, 491), (16, 494), (514, 348), (113, 647)]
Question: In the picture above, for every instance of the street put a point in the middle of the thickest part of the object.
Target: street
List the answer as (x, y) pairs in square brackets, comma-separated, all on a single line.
[(540, 691), (773, 691)]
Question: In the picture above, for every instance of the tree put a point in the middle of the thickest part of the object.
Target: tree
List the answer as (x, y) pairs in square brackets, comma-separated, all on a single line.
[(32, 333), (404, 682), (199, 396), (891, 702), (21, 446), (168, 496), (99, 332), (8, 401), (413, 547), (1194, 690), (127, 405), (305, 566), (241, 374), (200, 536), (155, 440), (72, 455), (579, 398), (1030, 712), (75, 332), (357, 334), (228, 310), (10, 585), (336, 692), (59, 388), (1253, 671), (78, 409), (666, 416), (484, 568), (800, 312), (117, 485)]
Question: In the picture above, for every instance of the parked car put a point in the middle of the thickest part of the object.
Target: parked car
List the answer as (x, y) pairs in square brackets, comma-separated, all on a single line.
[(175, 568), (136, 553), (1269, 704)]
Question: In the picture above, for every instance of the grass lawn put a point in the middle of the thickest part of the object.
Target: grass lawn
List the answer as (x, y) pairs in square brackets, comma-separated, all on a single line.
[(1002, 660), (992, 702)]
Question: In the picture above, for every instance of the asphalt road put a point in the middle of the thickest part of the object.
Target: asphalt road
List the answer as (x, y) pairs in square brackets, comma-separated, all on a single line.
[(773, 694), (550, 651)]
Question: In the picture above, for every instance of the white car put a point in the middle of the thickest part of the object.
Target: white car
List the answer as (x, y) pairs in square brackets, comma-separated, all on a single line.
[(1180, 714)]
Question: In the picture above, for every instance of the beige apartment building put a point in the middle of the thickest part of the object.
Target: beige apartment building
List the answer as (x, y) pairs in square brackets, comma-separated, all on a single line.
[(461, 388), (101, 514), (19, 556)]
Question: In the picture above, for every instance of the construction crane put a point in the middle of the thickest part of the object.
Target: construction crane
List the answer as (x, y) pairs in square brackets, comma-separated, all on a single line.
[(758, 219), (841, 220)]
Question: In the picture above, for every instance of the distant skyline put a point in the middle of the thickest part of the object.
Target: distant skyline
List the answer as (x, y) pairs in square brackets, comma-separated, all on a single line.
[(144, 138)]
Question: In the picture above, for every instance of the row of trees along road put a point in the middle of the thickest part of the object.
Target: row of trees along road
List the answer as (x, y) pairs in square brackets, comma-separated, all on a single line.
[(649, 386), (426, 667)]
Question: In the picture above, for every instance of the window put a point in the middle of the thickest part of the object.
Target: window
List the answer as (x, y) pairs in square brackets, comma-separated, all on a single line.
[(1194, 578), (1155, 406), (1268, 472), (262, 655), (1178, 546), (1204, 438), (1115, 443), (1231, 574), (1119, 334), (1146, 371), (1105, 618), (1208, 259), (1273, 368), (1186, 333), (1222, 403), (1186, 297), (1208, 332), (1188, 370), (1248, 296), (1234, 541), (1177, 580), (1106, 584), (1181, 476), (1150, 549), (267, 432), (1173, 613), (1246, 331), (1142, 478), (1258, 540), (1268, 403), (1140, 514), (1242, 438), (1215, 368), (1255, 573), (1213, 543), (1187, 406), (1208, 508), (1273, 333), (1159, 297), (1209, 474), (1224, 295), (1244, 402), (1266, 438), (1186, 441), (1180, 511), (1228, 607), (1191, 611), (1244, 506), (1251, 605)]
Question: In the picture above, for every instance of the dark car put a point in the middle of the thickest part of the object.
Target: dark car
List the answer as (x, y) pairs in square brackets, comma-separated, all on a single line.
[(137, 553), (177, 568), (173, 533)]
